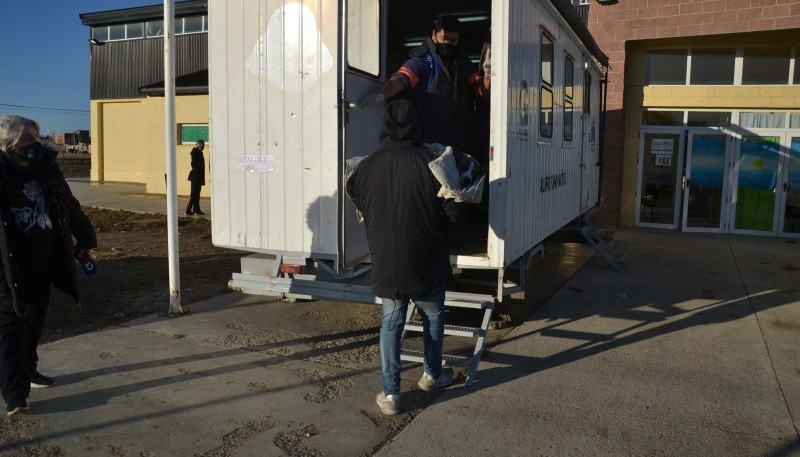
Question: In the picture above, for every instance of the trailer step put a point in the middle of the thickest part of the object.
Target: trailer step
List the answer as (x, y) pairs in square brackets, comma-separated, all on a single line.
[(603, 241), (455, 330), (483, 304), (471, 303), (448, 360)]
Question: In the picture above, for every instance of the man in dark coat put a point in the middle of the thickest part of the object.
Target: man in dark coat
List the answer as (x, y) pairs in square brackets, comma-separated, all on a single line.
[(197, 176), (38, 218), (404, 220)]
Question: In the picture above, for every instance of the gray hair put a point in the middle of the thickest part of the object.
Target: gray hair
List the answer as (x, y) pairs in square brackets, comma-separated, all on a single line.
[(12, 128)]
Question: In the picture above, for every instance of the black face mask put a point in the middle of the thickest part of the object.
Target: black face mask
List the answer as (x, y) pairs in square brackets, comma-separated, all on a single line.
[(33, 153), (446, 51)]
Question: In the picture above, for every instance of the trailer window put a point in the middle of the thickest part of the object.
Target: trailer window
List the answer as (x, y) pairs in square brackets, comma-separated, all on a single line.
[(363, 39), (546, 92), (547, 59), (569, 93)]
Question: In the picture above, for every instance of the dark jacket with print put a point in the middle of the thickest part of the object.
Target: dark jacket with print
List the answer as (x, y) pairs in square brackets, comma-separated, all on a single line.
[(66, 213), (396, 191)]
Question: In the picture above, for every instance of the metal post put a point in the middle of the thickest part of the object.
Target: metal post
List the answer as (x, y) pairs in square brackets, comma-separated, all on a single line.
[(169, 130)]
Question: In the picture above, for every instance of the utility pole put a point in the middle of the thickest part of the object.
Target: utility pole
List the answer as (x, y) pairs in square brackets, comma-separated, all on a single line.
[(171, 145)]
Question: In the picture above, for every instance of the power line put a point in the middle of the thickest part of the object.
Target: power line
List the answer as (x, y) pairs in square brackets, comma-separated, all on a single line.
[(45, 108), (41, 82)]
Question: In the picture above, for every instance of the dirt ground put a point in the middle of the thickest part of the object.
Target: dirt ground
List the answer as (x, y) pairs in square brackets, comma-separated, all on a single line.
[(132, 277)]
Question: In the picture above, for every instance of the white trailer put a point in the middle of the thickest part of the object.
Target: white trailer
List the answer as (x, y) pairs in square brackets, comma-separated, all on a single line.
[(285, 80)]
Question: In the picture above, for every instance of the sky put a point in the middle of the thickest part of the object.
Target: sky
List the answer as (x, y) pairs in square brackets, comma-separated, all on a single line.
[(44, 50)]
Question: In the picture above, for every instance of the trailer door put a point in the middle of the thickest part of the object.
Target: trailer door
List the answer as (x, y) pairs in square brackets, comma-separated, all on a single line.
[(589, 156), (362, 73)]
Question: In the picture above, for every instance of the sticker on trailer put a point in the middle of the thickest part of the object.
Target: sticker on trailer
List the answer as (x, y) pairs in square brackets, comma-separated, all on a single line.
[(256, 163)]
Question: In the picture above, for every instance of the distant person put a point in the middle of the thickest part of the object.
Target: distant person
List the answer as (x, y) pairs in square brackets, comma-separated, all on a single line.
[(443, 85), (197, 177), (39, 217), (404, 219)]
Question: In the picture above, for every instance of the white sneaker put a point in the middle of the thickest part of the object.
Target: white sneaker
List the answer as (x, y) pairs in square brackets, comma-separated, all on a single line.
[(428, 383), (390, 404)]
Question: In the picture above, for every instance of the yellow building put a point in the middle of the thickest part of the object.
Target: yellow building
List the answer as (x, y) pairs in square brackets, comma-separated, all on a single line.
[(127, 100)]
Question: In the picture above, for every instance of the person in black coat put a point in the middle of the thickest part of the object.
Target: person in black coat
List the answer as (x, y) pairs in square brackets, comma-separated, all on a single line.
[(38, 218), (405, 224), (197, 176)]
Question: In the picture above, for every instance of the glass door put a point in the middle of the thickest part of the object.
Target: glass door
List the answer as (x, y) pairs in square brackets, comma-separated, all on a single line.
[(660, 155), (754, 194), (705, 184), (789, 223)]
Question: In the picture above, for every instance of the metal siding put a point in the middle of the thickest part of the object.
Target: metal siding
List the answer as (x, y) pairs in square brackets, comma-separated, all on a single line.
[(252, 202), (275, 101), (523, 157), (531, 214), (119, 68), (219, 136)]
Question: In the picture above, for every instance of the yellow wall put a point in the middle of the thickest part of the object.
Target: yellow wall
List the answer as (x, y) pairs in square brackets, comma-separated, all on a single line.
[(128, 141), (638, 97)]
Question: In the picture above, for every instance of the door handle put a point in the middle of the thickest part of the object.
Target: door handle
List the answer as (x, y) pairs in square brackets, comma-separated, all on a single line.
[(786, 187)]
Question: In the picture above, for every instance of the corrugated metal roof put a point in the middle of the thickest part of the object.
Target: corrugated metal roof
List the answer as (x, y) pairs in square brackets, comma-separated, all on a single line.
[(141, 13)]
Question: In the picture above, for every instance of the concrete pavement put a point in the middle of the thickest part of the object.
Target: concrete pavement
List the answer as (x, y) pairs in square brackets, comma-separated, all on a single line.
[(127, 196), (692, 349)]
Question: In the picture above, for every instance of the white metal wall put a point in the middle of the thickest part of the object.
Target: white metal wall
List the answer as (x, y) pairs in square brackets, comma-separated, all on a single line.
[(274, 166), (525, 209)]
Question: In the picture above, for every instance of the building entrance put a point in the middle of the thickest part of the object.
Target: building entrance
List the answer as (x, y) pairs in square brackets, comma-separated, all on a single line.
[(715, 180)]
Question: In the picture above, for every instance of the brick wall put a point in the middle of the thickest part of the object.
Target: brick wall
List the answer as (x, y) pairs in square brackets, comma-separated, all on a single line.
[(615, 25)]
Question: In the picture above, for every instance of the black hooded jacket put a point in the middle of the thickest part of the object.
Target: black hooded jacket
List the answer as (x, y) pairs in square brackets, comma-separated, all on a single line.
[(66, 213), (396, 192)]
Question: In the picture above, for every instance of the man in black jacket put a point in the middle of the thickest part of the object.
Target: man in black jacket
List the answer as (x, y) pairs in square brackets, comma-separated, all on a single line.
[(404, 220), (197, 176), (443, 85), (38, 218)]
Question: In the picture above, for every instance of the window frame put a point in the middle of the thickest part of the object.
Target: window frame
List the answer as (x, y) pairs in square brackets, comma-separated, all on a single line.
[(546, 86), (378, 57), (792, 70), (569, 64)]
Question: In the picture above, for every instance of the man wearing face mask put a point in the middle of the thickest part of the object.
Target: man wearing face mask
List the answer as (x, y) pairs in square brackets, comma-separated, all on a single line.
[(442, 84), (38, 218)]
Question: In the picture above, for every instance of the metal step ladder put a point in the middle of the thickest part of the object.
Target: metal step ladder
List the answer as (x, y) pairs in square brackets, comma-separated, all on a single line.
[(603, 241), (484, 303)]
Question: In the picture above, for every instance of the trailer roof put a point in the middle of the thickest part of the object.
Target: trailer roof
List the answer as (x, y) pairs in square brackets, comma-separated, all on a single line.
[(570, 14)]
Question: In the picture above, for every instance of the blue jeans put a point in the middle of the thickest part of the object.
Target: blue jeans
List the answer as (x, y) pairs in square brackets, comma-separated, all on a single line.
[(431, 309)]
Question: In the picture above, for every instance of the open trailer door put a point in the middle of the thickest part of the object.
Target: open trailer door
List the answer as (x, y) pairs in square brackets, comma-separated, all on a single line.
[(362, 76)]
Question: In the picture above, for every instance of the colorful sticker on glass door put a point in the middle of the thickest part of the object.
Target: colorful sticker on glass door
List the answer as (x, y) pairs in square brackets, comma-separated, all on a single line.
[(758, 174)]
